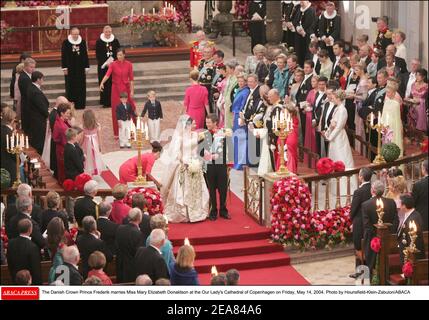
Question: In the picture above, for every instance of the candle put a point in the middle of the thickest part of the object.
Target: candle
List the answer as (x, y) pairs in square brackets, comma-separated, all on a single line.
[(387, 119), (174, 11), (143, 11), (278, 115), (132, 12), (379, 117), (153, 10), (7, 142), (12, 141), (164, 11), (372, 119), (214, 271), (26, 142), (186, 242), (147, 132), (22, 141), (17, 140), (138, 123)]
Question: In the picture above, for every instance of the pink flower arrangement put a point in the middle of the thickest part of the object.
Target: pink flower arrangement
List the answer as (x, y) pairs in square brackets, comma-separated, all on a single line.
[(407, 269), (80, 181), (294, 224), (4, 238), (376, 244), (325, 166), (242, 12), (154, 204)]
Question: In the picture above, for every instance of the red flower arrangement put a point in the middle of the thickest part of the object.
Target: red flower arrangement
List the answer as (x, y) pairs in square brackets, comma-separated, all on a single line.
[(325, 166), (4, 238), (376, 244), (69, 185), (424, 146), (339, 166), (73, 233), (407, 269), (80, 181), (183, 9), (154, 204), (242, 12)]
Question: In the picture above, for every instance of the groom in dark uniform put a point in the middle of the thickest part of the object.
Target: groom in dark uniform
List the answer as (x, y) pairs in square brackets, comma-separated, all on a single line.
[(213, 150)]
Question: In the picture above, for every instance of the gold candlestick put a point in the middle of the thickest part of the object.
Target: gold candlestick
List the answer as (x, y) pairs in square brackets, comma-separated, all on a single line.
[(411, 250), (137, 142), (16, 147), (282, 129), (379, 159), (380, 211)]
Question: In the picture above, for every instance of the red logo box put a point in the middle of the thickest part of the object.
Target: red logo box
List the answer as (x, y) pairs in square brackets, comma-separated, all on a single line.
[(20, 293)]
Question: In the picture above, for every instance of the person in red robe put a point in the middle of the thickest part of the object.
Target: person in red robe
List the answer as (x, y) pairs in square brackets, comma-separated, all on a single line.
[(59, 136), (120, 209), (128, 170), (197, 47), (122, 75)]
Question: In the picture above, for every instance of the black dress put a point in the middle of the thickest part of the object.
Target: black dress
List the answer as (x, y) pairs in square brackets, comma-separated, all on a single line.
[(74, 57), (103, 51)]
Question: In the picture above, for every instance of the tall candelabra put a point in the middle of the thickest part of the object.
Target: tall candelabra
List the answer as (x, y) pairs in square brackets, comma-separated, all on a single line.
[(411, 250), (282, 126), (379, 159), (380, 211), (138, 135), (15, 144)]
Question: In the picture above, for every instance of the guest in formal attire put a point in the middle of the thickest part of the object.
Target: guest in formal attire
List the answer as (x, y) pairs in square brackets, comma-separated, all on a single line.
[(128, 170), (105, 51), (365, 54), (138, 201), (53, 201), (158, 221), (22, 253), (128, 240), (400, 64), (73, 155), (419, 94), (305, 24), (125, 115), (390, 66), (196, 100), (292, 64), (362, 40), (119, 208), (24, 204), (292, 140), (17, 94), (89, 241), (8, 160), (289, 10), (86, 205), (370, 218), (24, 83), (314, 50), (325, 64), (398, 40), (149, 260), (252, 62), (15, 73), (320, 100), (327, 113), (310, 137), (328, 29), (420, 195), (71, 258), (301, 95), (384, 36), (206, 73), (183, 272), (91, 144), (411, 216), (391, 115), (122, 75), (75, 65), (59, 136), (232, 70), (257, 13), (338, 49), (154, 114), (266, 72), (96, 263), (281, 75), (106, 227), (372, 67), (361, 195)]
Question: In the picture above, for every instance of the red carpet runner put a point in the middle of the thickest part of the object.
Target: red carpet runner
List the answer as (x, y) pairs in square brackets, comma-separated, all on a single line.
[(238, 243)]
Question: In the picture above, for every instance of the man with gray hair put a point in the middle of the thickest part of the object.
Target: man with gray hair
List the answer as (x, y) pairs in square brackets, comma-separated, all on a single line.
[(420, 195), (128, 240), (107, 227), (86, 205), (23, 190), (149, 260), (143, 280), (24, 82), (68, 272), (370, 218), (24, 206), (89, 242)]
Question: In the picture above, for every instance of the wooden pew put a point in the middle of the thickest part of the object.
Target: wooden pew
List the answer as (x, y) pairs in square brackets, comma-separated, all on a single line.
[(420, 273)]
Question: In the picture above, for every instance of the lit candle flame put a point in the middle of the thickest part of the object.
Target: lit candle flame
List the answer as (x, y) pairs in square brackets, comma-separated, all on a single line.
[(214, 271), (380, 204), (187, 243), (412, 226)]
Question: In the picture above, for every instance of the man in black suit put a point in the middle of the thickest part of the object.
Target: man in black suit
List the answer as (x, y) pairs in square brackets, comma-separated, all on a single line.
[(128, 240), (24, 83), (139, 201), (399, 62), (338, 49), (319, 101), (420, 195), (68, 272), (364, 54), (361, 195), (408, 78), (22, 58), (107, 227), (302, 93), (149, 260), (37, 111), (314, 49), (370, 218), (411, 215), (73, 155), (292, 65), (11, 210), (86, 205), (8, 160), (304, 24), (213, 151), (257, 13), (23, 254), (327, 113), (25, 206), (90, 241)]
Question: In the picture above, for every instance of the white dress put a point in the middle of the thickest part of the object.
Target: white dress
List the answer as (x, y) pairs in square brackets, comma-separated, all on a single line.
[(392, 117), (265, 160), (185, 194)]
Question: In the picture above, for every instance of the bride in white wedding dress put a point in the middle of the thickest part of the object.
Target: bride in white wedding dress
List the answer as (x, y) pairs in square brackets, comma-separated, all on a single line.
[(184, 190)]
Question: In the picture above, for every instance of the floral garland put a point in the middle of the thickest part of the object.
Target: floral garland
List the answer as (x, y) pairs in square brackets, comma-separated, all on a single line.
[(154, 204), (242, 12), (293, 223)]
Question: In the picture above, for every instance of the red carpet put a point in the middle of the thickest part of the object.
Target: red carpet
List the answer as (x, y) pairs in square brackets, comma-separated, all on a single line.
[(239, 243)]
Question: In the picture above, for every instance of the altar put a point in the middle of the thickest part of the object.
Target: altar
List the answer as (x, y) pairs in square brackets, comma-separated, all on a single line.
[(43, 29)]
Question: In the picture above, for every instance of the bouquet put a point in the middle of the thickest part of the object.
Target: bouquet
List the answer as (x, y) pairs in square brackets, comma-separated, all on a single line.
[(154, 204), (325, 166)]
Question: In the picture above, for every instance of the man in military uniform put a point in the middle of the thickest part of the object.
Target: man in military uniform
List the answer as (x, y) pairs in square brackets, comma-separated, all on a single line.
[(86, 205), (197, 47), (207, 72), (384, 36)]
